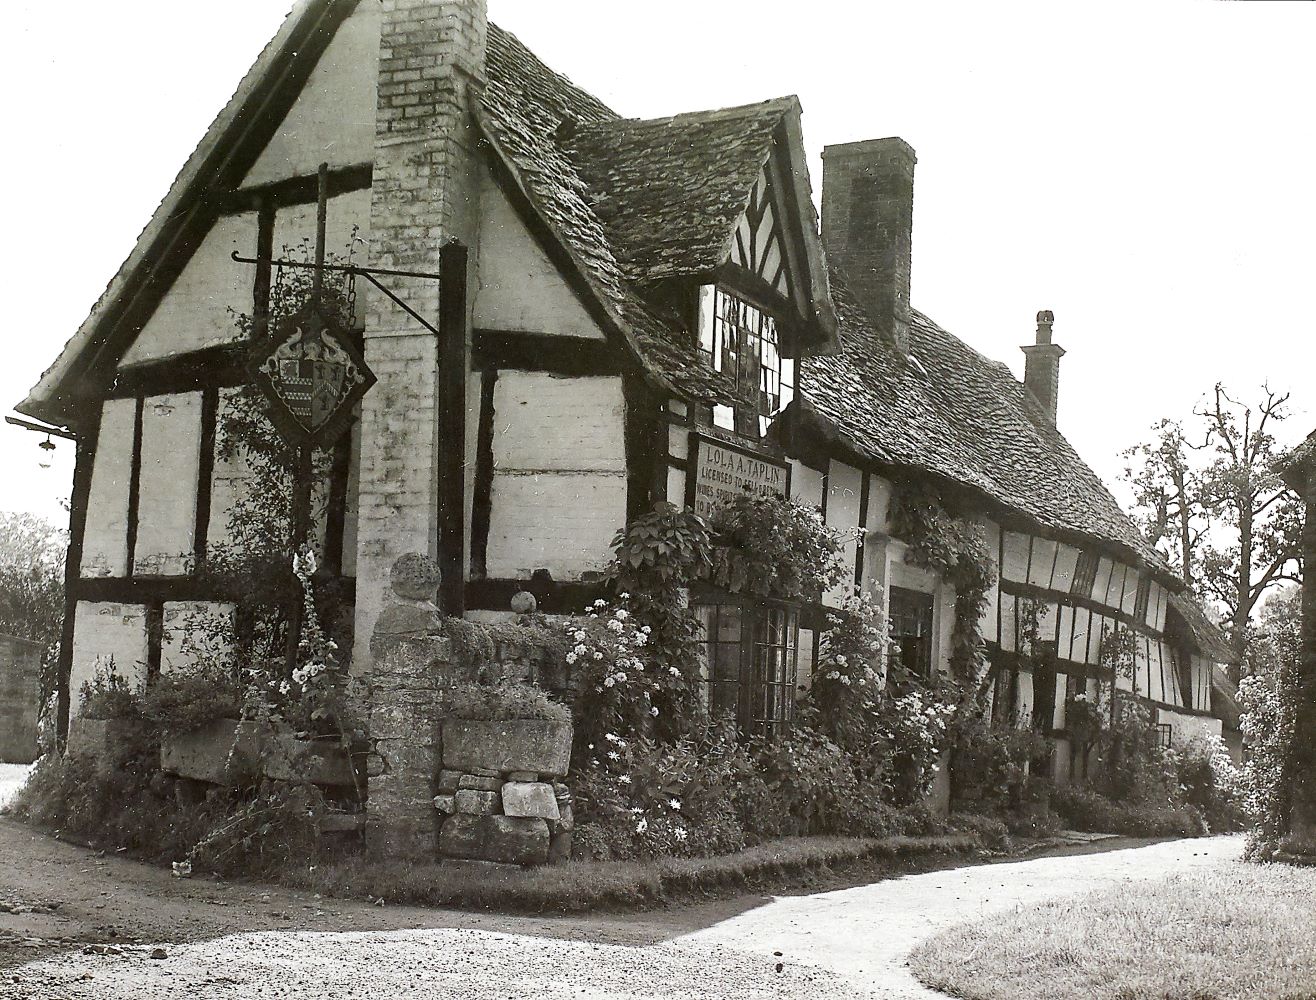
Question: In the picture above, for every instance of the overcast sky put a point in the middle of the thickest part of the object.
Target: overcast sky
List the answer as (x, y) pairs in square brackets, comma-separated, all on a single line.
[(1146, 170)]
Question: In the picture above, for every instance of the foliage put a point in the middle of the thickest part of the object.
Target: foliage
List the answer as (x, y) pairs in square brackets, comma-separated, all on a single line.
[(772, 546), (991, 764), (1269, 722), (506, 700), (955, 549), (657, 557), (1085, 809), (32, 587), (1085, 721), (109, 696), (1210, 782), (189, 698), (642, 798), (1211, 491), (1137, 768), (617, 692)]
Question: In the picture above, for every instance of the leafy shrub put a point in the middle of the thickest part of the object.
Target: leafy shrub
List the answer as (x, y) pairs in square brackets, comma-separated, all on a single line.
[(109, 696), (1269, 725), (990, 829), (811, 777), (991, 764), (1210, 783), (185, 700), (1083, 809), (504, 701), (771, 546)]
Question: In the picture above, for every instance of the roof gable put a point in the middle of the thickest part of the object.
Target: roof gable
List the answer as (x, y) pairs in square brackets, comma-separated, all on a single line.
[(758, 245)]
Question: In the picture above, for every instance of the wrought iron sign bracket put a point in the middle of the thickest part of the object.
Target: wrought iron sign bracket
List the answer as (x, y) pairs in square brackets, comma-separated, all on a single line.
[(365, 272)]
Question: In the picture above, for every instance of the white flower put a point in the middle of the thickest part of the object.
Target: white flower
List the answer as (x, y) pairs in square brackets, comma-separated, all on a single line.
[(675, 804), (622, 614), (614, 626), (646, 629), (654, 711), (641, 639), (571, 658), (613, 755), (840, 659), (625, 779), (681, 834), (621, 676), (600, 603), (612, 738), (608, 681), (641, 826), (674, 671), (624, 597), (598, 655)]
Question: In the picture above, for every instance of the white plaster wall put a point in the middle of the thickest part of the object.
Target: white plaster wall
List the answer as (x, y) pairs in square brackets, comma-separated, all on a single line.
[(943, 623), (1066, 564), (1185, 728), (347, 228), (1009, 622), (334, 117), (105, 539), (1101, 582), (844, 492), (209, 624), (1130, 600), (166, 519), (518, 287), (676, 486), (195, 312), (1014, 561), (559, 485), (228, 481), (806, 484), (107, 634), (1042, 562), (879, 505)]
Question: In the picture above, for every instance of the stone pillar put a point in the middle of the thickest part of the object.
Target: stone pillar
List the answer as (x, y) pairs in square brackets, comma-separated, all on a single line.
[(409, 661), (423, 194)]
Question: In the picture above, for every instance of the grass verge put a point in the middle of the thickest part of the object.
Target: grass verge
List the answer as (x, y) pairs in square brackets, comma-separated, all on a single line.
[(1239, 932), (594, 885)]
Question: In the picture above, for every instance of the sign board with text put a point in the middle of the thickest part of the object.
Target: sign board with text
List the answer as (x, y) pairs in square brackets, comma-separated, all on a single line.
[(719, 471)]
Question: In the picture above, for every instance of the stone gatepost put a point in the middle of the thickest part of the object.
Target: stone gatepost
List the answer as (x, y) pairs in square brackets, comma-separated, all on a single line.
[(410, 658)]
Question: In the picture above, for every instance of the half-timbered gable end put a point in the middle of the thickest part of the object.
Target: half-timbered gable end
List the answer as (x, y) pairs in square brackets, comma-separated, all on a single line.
[(586, 314)]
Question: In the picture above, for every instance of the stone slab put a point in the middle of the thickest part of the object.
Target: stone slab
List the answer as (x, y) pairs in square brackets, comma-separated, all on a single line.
[(523, 776), (445, 803), (477, 803), (508, 745), (559, 848), (530, 798), (220, 752), (484, 772), (448, 780), (480, 784), (509, 839)]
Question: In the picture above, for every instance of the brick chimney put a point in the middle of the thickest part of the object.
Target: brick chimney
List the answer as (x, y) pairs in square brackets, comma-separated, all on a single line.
[(1042, 369), (431, 65), (868, 224)]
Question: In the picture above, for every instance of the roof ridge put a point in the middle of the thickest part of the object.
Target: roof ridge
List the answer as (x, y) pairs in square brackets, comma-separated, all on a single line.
[(778, 105), (525, 51)]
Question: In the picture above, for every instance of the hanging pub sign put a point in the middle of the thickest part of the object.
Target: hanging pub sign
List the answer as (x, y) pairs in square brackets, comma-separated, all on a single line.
[(312, 375), (720, 470)]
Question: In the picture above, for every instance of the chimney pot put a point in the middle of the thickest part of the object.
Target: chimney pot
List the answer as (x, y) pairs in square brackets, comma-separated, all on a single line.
[(1042, 369)]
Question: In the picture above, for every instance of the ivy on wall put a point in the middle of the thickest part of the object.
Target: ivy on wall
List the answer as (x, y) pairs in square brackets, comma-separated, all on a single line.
[(955, 549)]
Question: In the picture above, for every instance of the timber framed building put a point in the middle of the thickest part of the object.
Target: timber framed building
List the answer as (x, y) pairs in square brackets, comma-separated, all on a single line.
[(629, 311)]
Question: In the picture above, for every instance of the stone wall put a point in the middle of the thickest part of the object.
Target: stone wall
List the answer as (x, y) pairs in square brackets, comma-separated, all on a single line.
[(20, 693)]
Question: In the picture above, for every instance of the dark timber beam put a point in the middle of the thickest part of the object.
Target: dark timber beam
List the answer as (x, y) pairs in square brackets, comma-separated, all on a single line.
[(85, 458), (453, 366)]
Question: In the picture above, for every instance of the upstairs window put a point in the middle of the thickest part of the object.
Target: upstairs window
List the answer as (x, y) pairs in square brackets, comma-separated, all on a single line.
[(743, 342), (910, 613), (1085, 574)]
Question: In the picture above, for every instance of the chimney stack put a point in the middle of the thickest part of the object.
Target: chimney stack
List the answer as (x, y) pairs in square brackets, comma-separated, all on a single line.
[(1042, 369), (868, 225)]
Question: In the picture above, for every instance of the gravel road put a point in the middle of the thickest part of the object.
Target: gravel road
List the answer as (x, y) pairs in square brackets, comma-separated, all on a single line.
[(78, 926)]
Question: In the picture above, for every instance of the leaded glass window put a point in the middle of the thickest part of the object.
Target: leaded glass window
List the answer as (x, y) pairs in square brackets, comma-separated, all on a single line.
[(751, 656), (743, 342)]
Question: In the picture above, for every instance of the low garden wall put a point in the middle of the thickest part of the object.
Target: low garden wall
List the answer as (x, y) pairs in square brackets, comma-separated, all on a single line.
[(20, 667)]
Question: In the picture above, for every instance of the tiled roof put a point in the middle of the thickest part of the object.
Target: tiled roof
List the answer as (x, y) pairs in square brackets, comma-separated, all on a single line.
[(670, 190), (524, 106), (1210, 640), (950, 411)]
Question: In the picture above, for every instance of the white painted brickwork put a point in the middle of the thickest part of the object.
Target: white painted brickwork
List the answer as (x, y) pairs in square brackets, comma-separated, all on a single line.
[(546, 423)]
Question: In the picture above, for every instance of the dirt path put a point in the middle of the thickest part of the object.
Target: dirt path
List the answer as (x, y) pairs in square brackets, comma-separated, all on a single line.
[(86, 926)]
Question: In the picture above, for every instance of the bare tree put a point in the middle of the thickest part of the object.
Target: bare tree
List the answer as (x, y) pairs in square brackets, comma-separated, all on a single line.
[(1211, 494), (1167, 493)]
